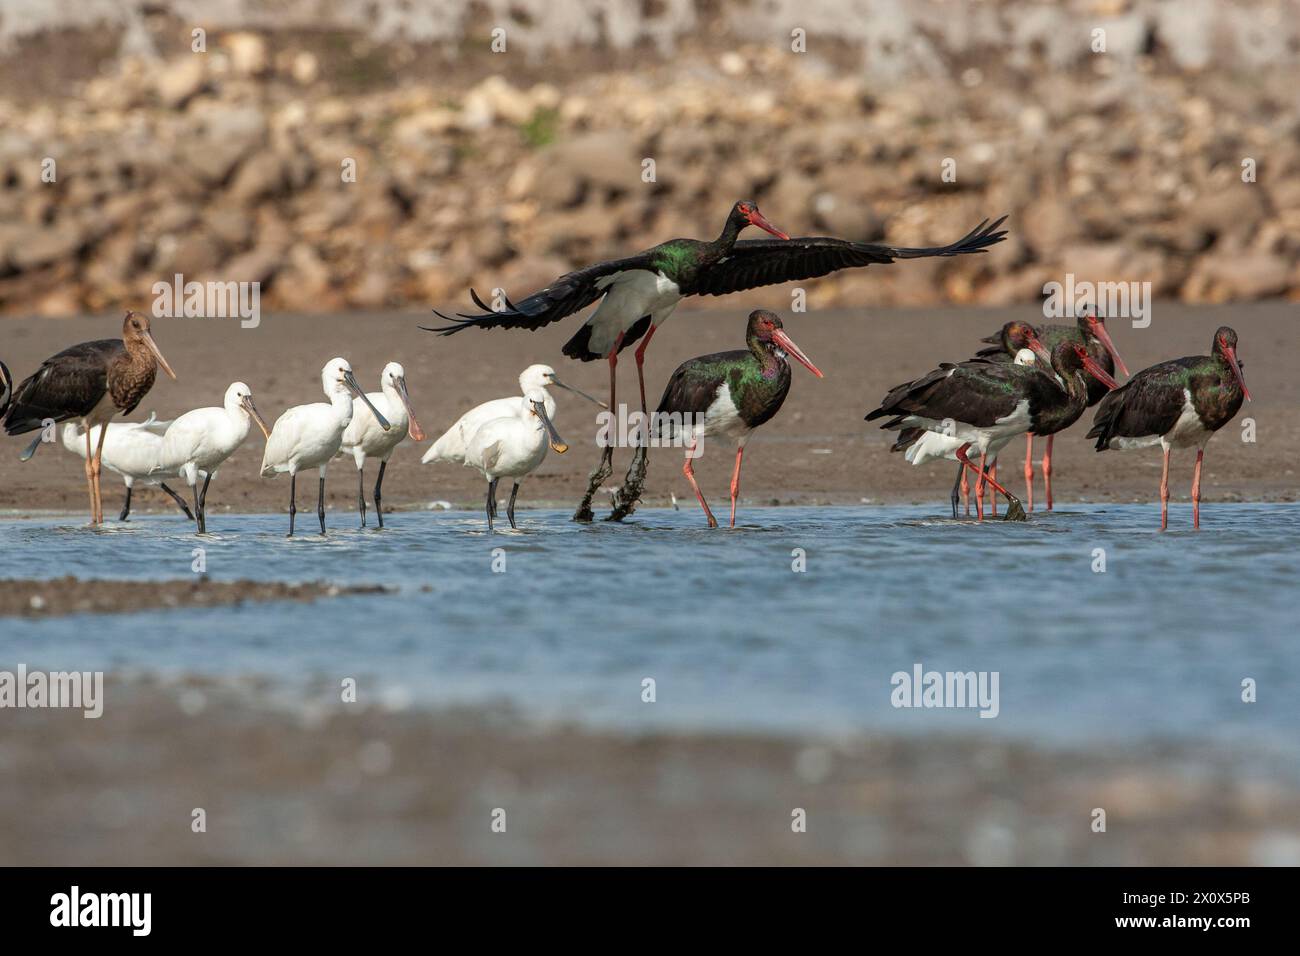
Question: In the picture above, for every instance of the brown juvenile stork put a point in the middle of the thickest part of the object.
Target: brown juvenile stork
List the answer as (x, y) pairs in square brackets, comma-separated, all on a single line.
[(92, 381)]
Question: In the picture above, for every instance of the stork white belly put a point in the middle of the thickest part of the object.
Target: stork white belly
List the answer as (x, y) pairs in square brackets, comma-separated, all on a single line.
[(722, 417), (988, 440), (630, 296), (1188, 431)]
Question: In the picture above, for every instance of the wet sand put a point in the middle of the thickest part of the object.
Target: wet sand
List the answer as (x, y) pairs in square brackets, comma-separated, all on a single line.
[(45, 597), (817, 450), (320, 782)]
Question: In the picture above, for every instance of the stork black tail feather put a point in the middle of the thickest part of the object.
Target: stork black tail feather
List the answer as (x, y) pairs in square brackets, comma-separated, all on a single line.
[(977, 240)]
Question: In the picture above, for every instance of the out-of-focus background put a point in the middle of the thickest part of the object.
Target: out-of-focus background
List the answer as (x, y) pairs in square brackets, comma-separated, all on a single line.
[(505, 168)]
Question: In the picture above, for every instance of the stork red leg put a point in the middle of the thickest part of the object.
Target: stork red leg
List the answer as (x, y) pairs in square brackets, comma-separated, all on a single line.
[(1164, 493), (1015, 512), (735, 483), (689, 472), (1196, 490), (606, 466), (965, 489), (1029, 473), (640, 361), (99, 459), (90, 481), (979, 491), (1047, 472), (993, 499)]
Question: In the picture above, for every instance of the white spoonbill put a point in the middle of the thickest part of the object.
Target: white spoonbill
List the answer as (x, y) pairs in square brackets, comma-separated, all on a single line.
[(920, 446), (308, 436), (130, 450), (451, 446), (201, 440), (513, 447), (363, 438)]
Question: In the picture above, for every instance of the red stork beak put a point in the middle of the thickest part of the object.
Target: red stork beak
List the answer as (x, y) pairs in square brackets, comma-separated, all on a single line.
[(786, 344), (1231, 355), (1096, 371), (758, 219), (1099, 330)]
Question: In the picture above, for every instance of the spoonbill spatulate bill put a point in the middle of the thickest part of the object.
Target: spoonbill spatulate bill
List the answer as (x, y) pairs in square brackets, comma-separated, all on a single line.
[(513, 447), (131, 450), (94, 382), (985, 404), (308, 436), (729, 394), (1090, 331), (455, 440), (638, 293), (1176, 404), (365, 438), (197, 443)]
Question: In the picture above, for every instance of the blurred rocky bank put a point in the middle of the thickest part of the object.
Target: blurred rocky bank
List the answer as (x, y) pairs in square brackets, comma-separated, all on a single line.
[(366, 162)]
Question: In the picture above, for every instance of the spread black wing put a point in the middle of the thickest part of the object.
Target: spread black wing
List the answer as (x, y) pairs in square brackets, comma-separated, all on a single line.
[(1147, 404), (570, 293), (759, 262), (67, 385)]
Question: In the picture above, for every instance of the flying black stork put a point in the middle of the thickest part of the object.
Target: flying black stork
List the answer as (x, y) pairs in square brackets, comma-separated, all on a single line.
[(92, 381), (637, 294), (730, 394), (1090, 331), (986, 403), (1176, 404)]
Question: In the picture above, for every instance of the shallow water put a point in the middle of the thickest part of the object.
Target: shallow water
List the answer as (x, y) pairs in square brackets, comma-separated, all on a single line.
[(1154, 648)]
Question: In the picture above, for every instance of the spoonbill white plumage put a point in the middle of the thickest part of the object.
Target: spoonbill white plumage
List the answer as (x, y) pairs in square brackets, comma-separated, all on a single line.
[(130, 449), (453, 443), (513, 447), (363, 438), (199, 441), (308, 436)]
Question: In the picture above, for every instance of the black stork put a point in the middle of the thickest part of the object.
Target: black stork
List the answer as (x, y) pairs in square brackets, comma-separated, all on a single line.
[(1090, 331), (1176, 404), (730, 394), (640, 292), (985, 404), (92, 381)]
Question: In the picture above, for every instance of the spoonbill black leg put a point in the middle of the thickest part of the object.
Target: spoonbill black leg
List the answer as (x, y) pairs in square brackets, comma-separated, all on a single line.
[(320, 500), (1047, 472), (1029, 472), (126, 508), (1015, 512), (379, 484), (1196, 490), (491, 505), (361, 494), (510, 508), (689, 472), (606, 466), (735, 483), (203, 506), (293, 507), (957, 484), (180, 502)]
